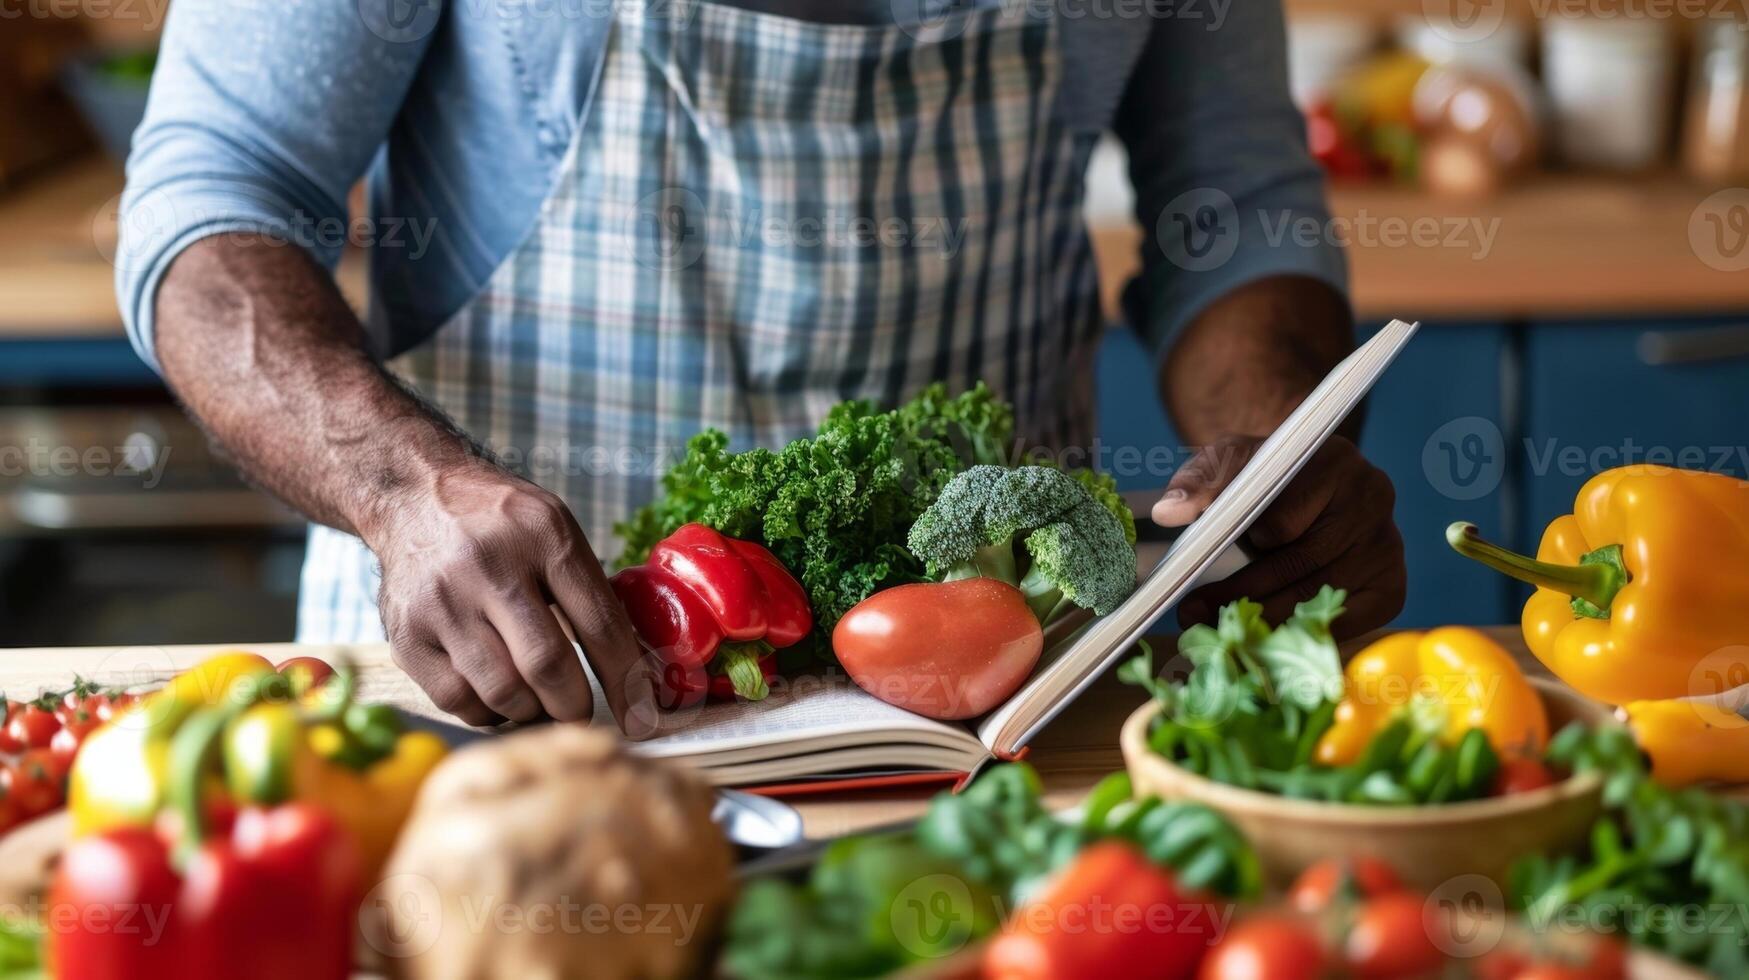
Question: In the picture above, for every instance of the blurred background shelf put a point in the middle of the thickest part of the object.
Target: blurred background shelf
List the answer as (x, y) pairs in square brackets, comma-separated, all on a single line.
[(1470, 11), (1557, 245)]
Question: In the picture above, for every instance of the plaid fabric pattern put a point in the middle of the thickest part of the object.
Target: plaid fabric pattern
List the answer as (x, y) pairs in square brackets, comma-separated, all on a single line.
[(763, 217)]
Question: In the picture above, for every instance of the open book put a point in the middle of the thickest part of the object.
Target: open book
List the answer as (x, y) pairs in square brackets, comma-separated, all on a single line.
[(824, 731)]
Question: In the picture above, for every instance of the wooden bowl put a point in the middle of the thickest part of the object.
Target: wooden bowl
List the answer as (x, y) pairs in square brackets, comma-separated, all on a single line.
[(1427, 845)]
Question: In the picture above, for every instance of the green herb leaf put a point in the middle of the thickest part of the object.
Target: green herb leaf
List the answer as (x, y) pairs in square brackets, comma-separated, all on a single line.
[(1301, 656)]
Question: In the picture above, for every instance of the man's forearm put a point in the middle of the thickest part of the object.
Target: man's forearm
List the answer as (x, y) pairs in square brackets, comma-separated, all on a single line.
[(1246, 361), (261, 347)]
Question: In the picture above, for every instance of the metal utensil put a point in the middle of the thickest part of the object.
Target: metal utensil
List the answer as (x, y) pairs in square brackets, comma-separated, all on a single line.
[(756, 822)]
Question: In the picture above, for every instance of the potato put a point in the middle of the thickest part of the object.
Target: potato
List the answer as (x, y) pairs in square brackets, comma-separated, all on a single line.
[(552, 853)]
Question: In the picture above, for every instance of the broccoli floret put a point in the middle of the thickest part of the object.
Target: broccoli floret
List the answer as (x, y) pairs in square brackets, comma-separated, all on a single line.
[(1035, 527)]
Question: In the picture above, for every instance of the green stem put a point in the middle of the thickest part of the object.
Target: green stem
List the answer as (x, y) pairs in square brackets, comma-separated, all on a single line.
[(193, 751), (740, 661), (1592, 583)]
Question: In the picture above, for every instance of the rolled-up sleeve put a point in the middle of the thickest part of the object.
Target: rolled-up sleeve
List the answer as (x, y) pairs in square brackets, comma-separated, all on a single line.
[(262, 115), (1226, 191)]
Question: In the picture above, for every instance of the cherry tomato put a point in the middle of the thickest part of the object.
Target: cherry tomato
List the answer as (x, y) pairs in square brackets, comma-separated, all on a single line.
[(1333, 879), (306, 672), (32, 726), (9, 817), (36, 783), (1268, 948), (8, 744), (1521, 774), (65, 744), (1392, 936), (116, 704), (1599, 958), (946, 650)]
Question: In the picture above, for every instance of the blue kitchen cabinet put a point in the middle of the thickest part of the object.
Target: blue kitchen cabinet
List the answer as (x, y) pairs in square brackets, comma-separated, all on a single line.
[(1592, 402), (1436, 423)]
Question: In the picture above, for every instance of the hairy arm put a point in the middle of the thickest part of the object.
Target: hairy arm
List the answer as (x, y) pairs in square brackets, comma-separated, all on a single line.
[(1245, 336), (262, 349), (1247, 361)]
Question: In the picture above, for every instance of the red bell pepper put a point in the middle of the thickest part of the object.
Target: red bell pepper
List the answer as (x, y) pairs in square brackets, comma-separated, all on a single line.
[(271, 897), (712, 609)]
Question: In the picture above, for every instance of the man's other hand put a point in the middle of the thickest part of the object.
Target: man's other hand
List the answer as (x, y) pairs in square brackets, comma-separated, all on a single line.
[(1332, 525)]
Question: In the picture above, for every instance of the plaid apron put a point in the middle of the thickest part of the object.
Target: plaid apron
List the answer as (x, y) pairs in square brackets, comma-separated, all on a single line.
[(758, 218)]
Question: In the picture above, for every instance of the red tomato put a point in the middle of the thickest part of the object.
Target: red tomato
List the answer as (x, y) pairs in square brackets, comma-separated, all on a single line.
[(8, 744), (306, 672), (1322, 884), (1392, 936), (36, 783), (1521, 774), (89, 706), (115, 705), (32, 726), (1268, 948), (65, 744), (943, 649), (1109, 913), (1596, 958)]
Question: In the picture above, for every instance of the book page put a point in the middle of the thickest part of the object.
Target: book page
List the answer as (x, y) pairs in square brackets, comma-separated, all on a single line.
[(1077, 660), (812, 707)]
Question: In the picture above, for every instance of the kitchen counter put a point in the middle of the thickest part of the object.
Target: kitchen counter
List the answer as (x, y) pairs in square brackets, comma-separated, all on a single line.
[(57, 248), (1553, 246), (1072, 754)]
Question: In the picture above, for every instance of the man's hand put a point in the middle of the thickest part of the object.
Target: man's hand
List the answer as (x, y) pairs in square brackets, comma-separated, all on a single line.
[(1332, 525), (469, 570), (263, 350)]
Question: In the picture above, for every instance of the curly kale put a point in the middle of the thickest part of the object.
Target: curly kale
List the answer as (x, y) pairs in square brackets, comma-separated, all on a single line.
[(835, 508)]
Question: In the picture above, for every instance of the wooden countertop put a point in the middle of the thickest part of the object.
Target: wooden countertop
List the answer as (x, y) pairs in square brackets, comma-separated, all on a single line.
[(1074, 751), (1552, 247), (57, 248)]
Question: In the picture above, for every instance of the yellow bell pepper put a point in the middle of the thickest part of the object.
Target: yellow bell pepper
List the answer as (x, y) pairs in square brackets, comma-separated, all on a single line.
[(1691, 741), (1456, 667), (1642, 591), (272, 755), (118, 777)]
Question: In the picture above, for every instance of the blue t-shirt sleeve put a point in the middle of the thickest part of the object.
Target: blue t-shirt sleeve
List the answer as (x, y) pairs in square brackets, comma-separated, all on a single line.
[(1226, 191), (262, 115)]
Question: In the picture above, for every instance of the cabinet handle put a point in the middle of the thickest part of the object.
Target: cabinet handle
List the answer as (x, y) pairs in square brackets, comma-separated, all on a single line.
[(1660, 347)]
